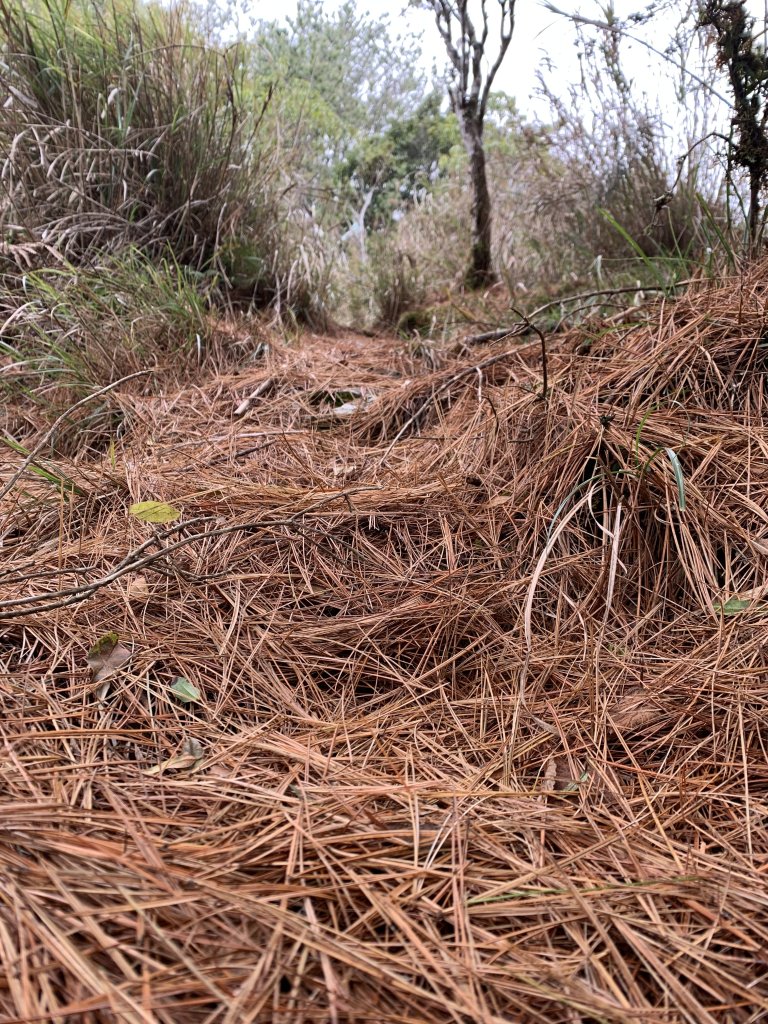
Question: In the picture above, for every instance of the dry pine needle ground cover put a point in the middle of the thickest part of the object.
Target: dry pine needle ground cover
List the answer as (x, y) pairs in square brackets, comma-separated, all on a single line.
[(481, 723)]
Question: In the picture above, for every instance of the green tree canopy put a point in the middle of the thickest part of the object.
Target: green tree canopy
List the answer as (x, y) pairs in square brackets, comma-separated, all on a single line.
[(401, 162), (340, 76)]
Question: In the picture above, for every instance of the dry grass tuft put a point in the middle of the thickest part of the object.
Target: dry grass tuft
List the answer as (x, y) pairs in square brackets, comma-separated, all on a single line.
[(481, 730)]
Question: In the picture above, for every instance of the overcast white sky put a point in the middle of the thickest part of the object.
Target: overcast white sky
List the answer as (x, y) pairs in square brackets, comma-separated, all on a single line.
[(539, 37)]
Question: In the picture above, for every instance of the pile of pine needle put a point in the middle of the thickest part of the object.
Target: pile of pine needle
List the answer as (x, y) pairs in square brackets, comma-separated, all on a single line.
[(420, 694)]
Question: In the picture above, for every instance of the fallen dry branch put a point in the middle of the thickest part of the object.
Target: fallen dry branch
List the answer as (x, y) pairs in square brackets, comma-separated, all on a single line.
[(358, 819)]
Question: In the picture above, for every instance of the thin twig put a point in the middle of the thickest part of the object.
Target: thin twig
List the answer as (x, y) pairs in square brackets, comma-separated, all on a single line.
[(512, 332), (532, 327), (37, 603)]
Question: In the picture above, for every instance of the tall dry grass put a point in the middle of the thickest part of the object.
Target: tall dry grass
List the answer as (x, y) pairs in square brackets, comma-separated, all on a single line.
[(624, 177), (122, 128)]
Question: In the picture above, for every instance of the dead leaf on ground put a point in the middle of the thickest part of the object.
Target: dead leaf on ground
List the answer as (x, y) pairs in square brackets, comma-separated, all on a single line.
[(634, 709), (107, 656), (342, 469), (190, 757), (569, 775), (549, 775), (138, 589)]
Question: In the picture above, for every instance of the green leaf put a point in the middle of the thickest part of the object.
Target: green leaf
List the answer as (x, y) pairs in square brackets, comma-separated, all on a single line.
[(154, 512), (732, 606), (185, 691)]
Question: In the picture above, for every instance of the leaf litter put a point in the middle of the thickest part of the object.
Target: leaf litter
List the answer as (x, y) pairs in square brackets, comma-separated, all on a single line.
[(361, 819)]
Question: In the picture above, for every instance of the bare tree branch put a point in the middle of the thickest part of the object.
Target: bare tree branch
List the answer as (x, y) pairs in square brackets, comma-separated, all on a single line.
[(580, 19), (141, 558), (507, 28), (466, 44)]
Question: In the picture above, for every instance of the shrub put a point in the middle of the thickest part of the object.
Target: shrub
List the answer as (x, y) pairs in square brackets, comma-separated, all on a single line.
[(621, 184), (72, 328), (587, 200)]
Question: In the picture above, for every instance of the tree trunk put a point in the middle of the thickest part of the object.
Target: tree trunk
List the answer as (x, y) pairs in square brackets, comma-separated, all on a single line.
[(480, 272), (755, 187)]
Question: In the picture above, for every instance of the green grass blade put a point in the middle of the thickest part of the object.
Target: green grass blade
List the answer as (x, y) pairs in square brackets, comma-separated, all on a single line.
[(63, 483), (679, 478), (636, 249), (715, 228)]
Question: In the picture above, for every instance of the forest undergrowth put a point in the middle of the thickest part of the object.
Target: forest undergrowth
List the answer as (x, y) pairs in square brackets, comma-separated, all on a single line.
[(438, 696)]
